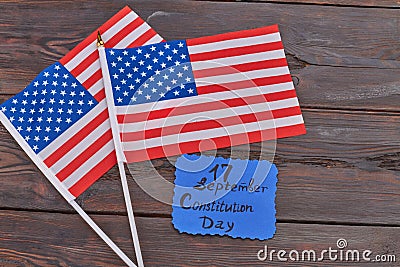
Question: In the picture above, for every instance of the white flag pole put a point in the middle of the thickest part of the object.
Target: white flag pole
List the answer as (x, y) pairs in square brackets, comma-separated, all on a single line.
[(118, 147), (62, 190)]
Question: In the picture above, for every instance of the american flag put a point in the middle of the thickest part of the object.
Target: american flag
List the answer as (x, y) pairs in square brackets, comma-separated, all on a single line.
[(61, 118), (204, 93)]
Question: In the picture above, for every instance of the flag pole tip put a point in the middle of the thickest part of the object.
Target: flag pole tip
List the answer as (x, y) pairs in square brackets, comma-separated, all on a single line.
[(99, 40)]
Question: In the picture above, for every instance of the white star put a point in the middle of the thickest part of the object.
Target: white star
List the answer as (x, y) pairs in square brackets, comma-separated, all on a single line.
[(135, 69), (127, 64), (12, 119), (133, 58), (35, 147), (145, 85), (54, 83), (188, 79), (51, 110), (180, 44), (171, 69), (24, 102), (121, 70), (13, 109), (34, 102), (15, 101), (36, 84), (175, 51), (165, 76), (161, 53), (141, 62), (139, 51), (125, 53), (154, 90), (115, 76), (183, 56), (21, 119), (35, 93), (26, 94), (49, 119), (52, 101), (163, 65), (155, 60), (80, 102), (57, 129), (79, 111), (61, 102), (45, 83), (113, 64), (40, 119), (56, 75), (123, 81), (74, 85), (71, 102), (53, 92), (42, 101), (173, 81), (129, 75), (139, 92), (158, 72), (41, 110), (160, 83), (143, 74), (153, 48), (59, 120), (19, 128), (46, 138), (162, 95), (166, 46), (149, 67), (176, 93), (168, 88), (3, 109), (147, 55), (119, 58), (133, 98), (90, 102), (131, 87), (117, 88), (29, 129), (57, 67), (151, 79), (112, 52), (69, 111), (38, 129), (169, 58), (185, 67), (137, 80), (177, 63), (60, 110), (82, 94), (65, 76), (48, 129), (46, 74), (64, 84), (32, 111), (119, 100), (23, 110), (68, 120), (148, 97), (182, 86), (125, 93)]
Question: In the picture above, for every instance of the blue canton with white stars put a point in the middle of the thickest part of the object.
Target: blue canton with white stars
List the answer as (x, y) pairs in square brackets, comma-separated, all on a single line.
[(48, 106), (151, 73)]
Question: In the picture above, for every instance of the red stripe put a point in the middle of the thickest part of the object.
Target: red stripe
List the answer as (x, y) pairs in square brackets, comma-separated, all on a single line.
[(237, 51), (144, 38), (232, 69), (124, 32), (233, 35), (93, 79), (85, 63), (94, 174), (84, 156), (210, 124), (76, 139), (213, 143), (195, 108), (92, 38), (213, 88), (100, 95)]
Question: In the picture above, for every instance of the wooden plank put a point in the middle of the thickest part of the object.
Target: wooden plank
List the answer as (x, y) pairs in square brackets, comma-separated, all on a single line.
[(47, 239), (352, 3), (345, 169), (361, 45)]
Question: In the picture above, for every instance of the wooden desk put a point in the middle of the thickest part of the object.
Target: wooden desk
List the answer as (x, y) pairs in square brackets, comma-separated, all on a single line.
[(341, 180)]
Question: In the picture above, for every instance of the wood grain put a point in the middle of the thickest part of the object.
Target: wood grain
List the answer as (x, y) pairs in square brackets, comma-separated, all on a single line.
[(345, 169), (358, 45), (45, 239), (352, 3)]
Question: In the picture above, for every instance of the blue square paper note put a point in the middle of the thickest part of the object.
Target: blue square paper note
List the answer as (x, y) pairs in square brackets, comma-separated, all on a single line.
[(219, 196)]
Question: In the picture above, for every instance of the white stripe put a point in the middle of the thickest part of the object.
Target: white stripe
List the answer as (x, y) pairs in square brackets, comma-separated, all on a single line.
[(88, 165), (132, 36), (97, 87), (221, 113), (88, 50), (203, 99), (70, 155), (228, 61), (154, 40), (212, 133), (75, 128), (234, 43), (89, 71), (241, 76)]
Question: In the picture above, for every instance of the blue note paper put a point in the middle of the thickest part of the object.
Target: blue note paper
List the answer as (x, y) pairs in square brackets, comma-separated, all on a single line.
[(218, 196)]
